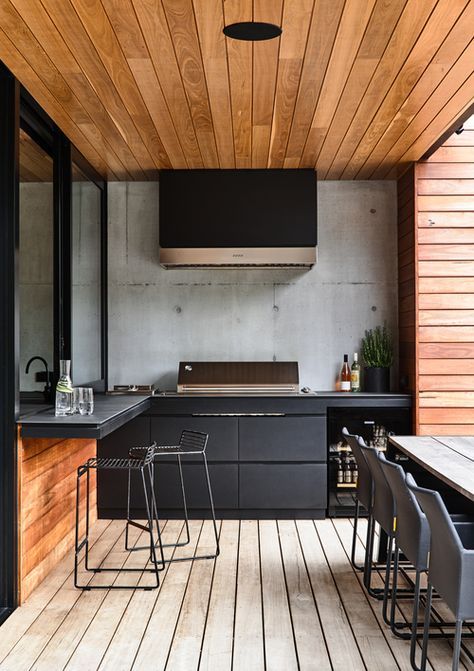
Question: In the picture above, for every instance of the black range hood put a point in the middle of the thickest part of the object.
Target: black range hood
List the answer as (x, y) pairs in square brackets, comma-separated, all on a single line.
[(237, 218)]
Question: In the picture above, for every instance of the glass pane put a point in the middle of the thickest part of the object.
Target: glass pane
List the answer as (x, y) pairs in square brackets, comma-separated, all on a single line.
[(36, 261), (86, 280)]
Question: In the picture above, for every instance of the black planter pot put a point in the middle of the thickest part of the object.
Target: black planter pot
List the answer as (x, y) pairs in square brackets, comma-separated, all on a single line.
[(377, 380)]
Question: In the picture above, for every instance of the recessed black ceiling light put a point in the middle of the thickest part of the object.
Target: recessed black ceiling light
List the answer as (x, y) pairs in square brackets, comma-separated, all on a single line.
[(252, 31)]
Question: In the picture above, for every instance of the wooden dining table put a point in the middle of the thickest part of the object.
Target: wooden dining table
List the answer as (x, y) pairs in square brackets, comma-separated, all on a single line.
[(449, 458)]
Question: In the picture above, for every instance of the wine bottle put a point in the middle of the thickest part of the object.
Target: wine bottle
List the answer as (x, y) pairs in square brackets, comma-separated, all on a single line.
[(355, 373), (345, 375)]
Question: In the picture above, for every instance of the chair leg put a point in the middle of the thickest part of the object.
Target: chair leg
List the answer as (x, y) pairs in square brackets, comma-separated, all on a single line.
[(457, 645), (358, 567), (386, 589), (426, 630), (414, 626), (153, 557), (211, 503), (85, 542), (375, 592), (127, 524), (185, 509)]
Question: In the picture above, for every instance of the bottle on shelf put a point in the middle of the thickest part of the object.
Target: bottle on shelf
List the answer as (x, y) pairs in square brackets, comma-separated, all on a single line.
[(355, 472), (64, 404), (348, 471), (355, 374), (345, 378), (340, 473)]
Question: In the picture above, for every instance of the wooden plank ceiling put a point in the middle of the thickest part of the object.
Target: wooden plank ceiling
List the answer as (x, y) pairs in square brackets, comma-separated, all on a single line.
[(355, 88)]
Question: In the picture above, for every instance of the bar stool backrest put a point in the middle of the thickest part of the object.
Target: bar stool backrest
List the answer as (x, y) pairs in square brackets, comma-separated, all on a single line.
[(449, 574), (193, 441), (383, 505), (364, 477), (412, 528)]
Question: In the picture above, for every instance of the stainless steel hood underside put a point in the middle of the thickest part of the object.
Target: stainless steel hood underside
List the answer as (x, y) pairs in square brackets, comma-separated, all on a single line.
[(238, 257)]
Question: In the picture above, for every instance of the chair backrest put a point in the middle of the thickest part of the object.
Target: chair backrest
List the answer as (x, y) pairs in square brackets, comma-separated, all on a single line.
[(446, 549), (383, 503), (364, 478), (193, 441), (412, 528)]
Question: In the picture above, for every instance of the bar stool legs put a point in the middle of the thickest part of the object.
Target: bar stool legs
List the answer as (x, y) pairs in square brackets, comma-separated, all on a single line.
[(144, 467), (191, 442)]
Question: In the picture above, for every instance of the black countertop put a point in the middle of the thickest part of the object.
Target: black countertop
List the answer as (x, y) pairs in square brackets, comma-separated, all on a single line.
[(113, 411), (110, 412)]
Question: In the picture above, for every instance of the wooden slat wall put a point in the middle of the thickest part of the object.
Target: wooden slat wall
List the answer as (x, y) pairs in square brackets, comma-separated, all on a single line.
[(445, 283), (47, 490), (406, 283)]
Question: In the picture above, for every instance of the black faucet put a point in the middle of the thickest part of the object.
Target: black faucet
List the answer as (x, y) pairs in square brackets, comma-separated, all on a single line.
[(47, 387)]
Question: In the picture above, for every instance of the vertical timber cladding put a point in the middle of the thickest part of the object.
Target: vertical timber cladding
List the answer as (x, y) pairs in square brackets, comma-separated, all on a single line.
[(407, 284), (445, 287), (47, 492)]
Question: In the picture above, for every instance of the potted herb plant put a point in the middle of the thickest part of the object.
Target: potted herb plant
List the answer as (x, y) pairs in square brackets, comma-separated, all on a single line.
[(377, 351)]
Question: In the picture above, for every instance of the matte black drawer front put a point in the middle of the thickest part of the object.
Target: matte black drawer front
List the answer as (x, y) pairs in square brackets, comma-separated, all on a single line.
[(224, 483), (285, 486), (282, 438), (223, 434)]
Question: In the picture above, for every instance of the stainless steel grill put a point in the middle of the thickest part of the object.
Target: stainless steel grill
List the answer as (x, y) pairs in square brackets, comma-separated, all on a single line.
[(255, 377)]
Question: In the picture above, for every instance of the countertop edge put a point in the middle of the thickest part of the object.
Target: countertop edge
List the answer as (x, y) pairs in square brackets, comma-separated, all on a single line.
[(93, 429)]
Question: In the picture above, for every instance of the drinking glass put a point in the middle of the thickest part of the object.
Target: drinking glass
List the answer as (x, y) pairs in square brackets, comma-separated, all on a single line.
[(86, 400), (76, 394)]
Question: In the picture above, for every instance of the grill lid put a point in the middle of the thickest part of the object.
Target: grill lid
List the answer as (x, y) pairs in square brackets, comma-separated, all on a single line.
[(254, 377)]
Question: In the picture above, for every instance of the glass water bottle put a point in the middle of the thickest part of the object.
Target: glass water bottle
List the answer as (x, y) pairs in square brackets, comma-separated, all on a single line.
[(64, 404)]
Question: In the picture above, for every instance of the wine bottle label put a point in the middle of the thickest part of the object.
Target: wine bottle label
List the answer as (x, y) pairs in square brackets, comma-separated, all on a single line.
[(345, 385)]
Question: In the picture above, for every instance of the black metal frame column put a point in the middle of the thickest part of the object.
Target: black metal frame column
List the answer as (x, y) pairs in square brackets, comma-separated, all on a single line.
[(9, 340)]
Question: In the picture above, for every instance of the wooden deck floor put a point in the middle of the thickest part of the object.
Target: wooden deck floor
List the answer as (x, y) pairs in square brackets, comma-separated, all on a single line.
[(281, 596)]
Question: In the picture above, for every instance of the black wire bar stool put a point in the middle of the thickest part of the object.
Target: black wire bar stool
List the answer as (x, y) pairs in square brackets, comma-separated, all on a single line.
[(190, 443), (142, 465)]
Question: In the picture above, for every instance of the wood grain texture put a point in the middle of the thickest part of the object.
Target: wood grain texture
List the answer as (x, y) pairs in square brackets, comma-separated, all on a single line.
[(352, 89), (436, 296), (334, 624), (47, 497)]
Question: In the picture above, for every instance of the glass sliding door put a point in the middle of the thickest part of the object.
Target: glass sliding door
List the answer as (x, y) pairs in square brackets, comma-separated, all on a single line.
[(36, 266)]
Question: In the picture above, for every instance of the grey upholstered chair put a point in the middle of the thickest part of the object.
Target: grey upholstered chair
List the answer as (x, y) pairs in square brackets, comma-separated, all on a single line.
[(363, 490), (451, 565)]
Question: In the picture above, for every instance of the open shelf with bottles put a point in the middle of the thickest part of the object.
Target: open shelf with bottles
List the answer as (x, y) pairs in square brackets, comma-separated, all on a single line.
[(374, 425)]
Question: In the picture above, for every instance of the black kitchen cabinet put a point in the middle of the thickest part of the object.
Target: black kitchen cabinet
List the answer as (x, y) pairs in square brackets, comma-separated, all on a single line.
[(282, 487), (223, 434), (267, 455), (282, 438)]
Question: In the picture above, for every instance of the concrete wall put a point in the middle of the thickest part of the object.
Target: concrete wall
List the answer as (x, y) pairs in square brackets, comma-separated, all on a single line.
[(159, 317)]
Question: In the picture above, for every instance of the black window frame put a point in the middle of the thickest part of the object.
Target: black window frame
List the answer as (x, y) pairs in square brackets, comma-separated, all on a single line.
[(10, 340), (18, 110), (84, 166)]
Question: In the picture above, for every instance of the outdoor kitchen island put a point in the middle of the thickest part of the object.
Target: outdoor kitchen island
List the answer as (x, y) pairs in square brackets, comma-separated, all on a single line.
[(268, 454), (267, 458)]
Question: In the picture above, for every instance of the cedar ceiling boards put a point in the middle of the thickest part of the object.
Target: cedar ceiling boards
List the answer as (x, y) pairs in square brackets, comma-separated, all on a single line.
[(354, 88)]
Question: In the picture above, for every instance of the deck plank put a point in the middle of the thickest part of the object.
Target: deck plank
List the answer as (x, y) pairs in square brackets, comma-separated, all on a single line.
[(187, 641), (312, 651), (370, 638), (281, 595), (248, 628), (158, 635), (219, 633), (43, 629), (93, 645), (280, 650)]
